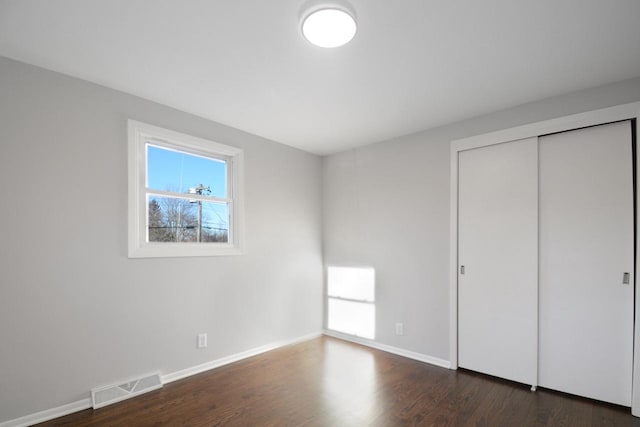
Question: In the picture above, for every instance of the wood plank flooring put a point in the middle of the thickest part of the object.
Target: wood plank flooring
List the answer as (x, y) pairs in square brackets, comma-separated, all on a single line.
[(329, 382)]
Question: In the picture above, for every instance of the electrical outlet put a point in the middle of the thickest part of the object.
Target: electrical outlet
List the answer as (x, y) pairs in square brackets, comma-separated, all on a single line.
[(399, 328), (202, 340)]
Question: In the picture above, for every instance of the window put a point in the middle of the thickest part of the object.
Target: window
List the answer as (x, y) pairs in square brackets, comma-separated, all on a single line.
[(184, 195), (351, 301)]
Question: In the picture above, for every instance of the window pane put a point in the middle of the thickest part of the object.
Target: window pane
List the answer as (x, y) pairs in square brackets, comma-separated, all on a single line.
[(182, 220), (181, 172), (355, 318), (351, 283), (215, 222)]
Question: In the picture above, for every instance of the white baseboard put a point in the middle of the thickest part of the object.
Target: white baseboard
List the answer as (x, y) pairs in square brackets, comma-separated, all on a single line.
[(174, 376), (83, 404), (390, 349), (49, 414)]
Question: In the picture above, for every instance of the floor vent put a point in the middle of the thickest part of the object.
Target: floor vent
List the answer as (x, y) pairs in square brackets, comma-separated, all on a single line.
[(104, 396)]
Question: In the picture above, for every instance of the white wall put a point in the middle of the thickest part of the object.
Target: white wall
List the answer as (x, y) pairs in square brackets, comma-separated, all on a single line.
[(75, 312), (387, 206)]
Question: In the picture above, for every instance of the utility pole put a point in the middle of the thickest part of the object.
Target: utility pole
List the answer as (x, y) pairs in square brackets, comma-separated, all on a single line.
[(200, 190)]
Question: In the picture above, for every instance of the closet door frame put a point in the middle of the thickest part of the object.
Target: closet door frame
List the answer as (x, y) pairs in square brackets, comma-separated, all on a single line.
[(561, 124)]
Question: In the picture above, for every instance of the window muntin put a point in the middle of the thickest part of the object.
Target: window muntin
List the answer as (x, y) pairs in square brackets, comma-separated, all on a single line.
[(184, 194)]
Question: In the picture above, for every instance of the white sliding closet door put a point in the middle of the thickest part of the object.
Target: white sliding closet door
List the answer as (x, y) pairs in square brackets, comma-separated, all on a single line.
[(586, 246), (498, 237)]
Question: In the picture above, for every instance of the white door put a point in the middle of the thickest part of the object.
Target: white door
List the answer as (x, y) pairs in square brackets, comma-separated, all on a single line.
[(498, 237), (586, 246)]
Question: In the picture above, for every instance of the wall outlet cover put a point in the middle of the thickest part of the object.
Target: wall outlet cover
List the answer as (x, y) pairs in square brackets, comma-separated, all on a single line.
[(202, 340), (399, 328)]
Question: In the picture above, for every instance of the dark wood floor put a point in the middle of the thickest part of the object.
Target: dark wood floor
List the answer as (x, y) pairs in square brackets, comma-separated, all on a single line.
[(328, 382)]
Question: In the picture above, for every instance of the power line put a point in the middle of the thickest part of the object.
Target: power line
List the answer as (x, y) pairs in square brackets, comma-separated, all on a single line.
[(188, 227)]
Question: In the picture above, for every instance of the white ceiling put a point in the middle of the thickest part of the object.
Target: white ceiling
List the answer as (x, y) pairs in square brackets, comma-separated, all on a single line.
[(413, 65)]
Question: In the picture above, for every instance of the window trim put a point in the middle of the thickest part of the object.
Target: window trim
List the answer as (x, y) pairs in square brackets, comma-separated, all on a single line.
[(138, 135)]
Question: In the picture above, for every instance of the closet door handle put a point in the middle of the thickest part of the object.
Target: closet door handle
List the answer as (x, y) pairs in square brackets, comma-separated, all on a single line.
[(462, 269), (625, 278)]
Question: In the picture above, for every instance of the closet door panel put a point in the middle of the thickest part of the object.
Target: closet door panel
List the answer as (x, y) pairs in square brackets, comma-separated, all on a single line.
[(498, 235), (586, 245)]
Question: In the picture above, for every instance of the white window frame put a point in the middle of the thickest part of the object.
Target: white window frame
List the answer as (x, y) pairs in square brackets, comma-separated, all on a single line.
[(138, 135)]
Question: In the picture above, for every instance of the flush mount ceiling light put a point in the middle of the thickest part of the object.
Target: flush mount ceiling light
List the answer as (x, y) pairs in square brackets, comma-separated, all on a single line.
[(328, 26)]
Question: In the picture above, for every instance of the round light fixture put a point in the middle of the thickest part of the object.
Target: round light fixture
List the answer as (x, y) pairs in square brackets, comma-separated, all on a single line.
[(329, 27)]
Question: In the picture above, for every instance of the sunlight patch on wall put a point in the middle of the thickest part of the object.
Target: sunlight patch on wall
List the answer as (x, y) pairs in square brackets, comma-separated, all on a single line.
[(351, 300)]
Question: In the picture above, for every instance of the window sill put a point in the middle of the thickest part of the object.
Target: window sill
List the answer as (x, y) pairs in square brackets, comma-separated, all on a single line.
[(178, 250)]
